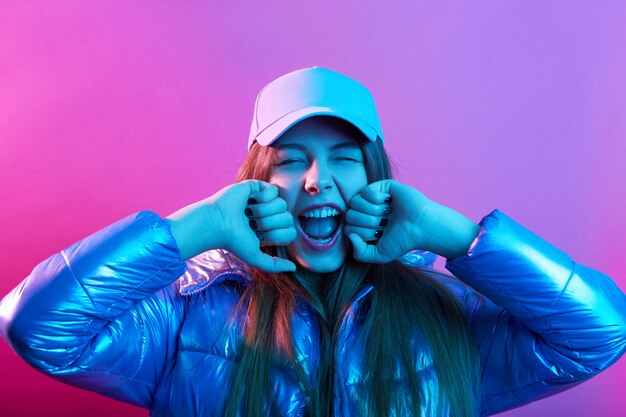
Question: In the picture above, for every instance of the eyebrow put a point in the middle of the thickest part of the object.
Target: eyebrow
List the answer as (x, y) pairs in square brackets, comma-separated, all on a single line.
[(297, 146)]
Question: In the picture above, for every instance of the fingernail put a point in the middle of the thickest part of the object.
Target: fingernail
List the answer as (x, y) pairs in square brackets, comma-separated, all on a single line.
[(384, 222), (388, 200), (253, 224), (252, 201), (259, 236), (248, 212), (387, 211), (378, 234)]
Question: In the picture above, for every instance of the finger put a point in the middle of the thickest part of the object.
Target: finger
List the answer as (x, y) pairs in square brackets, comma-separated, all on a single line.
[(255, 186), (374, 195), (365, 233), (363, 252), (279, 237), (357, 218), (274, 206), (360, 204), (277, 221), (261, 192), (271, 264)]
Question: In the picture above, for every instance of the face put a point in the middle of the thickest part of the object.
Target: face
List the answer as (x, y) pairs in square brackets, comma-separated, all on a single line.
[(318, 168)]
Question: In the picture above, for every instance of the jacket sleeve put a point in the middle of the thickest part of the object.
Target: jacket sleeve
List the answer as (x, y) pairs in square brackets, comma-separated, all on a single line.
[(543, 322), (101, 314)]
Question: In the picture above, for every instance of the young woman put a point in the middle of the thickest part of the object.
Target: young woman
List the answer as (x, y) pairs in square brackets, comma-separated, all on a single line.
[(306, 289)]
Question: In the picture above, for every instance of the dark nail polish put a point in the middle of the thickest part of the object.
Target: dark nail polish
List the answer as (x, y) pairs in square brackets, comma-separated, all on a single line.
[(384, 222), (259, 236), (387, 211), (253, 225), (252, 201), (378, 234), (388, 200), (248, 212)]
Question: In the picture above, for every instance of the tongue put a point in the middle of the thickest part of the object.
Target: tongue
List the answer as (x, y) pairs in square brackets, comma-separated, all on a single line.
[(322, 227)]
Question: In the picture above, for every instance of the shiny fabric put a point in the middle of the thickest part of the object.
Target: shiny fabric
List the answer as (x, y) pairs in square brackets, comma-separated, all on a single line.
[(120, 313)]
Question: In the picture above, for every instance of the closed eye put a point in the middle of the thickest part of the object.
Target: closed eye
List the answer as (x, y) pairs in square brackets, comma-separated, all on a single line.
[(288, 161)]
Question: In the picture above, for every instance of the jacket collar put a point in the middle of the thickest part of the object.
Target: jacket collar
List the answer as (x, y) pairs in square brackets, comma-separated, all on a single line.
[(217, 265), (212, 267)]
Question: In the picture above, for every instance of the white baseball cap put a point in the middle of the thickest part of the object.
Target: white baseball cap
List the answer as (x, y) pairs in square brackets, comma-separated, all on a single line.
[(309, 92)]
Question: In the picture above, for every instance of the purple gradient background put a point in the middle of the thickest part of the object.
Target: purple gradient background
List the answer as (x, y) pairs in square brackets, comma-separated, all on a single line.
[(111, 108)]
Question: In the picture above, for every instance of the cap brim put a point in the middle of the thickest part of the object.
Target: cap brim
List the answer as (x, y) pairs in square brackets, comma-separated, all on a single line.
[(280, 126)]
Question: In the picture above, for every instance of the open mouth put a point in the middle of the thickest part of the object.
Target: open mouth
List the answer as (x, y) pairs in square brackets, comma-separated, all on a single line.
[(320, 226)]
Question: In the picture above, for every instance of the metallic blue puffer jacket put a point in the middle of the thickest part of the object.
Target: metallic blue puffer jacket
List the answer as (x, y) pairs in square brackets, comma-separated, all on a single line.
[(120, 313)]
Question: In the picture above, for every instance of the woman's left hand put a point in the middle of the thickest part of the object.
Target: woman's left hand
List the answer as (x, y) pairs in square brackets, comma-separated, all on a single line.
[(384, 221)]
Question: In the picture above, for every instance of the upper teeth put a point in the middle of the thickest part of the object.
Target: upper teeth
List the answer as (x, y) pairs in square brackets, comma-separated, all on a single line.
[(321, 212)]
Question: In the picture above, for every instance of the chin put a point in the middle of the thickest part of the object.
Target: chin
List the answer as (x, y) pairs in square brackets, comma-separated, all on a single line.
[(319, 262), (323, 268)]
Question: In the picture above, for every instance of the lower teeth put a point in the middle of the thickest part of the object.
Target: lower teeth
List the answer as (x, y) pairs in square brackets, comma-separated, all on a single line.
[(320, 240)]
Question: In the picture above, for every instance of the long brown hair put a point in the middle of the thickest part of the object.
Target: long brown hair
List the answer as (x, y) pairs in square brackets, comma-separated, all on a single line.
[(404, 301)]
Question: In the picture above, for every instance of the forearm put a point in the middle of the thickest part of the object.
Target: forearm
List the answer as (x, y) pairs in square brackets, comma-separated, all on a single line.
[(196, 228), (448, 232)]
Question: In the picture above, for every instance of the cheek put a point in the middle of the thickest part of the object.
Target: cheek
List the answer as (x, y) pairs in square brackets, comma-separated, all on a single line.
[(286, 189), (281, 182), (351, 184)]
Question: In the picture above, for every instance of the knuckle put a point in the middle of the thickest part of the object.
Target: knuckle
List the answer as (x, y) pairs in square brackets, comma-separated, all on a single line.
[(353, 217), (369, 194), (273, 190), (357, 204)]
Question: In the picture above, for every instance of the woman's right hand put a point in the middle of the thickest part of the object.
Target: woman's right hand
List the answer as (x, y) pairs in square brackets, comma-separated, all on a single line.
[(239, 218)]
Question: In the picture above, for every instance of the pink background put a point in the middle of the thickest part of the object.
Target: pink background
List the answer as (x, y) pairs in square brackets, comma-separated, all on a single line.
[(110, 108)]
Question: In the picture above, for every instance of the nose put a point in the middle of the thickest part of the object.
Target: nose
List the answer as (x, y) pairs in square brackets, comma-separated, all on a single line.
[(318, 179)]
